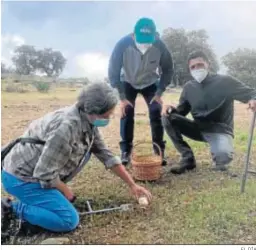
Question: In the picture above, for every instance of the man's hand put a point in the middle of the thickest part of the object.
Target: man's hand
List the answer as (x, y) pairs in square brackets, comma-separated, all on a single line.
[(69, 195), (157, 99), (65, 190), (167, 109), (138, 191), (123, 105), (252, 105)]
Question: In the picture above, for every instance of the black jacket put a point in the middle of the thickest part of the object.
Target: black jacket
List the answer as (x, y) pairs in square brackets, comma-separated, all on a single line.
[(211, 102)]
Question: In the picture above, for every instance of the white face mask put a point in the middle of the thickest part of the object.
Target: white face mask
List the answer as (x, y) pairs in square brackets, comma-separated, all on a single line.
[(143, 47), (199, 74)]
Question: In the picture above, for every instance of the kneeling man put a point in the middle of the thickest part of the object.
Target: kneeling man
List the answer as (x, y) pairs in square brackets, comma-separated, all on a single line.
[(210, 99)]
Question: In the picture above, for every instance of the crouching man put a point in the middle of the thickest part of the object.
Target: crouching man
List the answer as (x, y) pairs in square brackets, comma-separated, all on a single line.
[(210, 99), (36, 175)]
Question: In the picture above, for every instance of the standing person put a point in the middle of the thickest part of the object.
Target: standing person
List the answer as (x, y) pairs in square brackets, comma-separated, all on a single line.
[(37, 175), (210, 99), (140, 55)]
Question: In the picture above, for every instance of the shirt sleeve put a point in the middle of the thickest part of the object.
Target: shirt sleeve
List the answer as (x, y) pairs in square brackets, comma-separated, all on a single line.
[(115, 66), (55, 154), (166, 65), (183, 107), (240, 91), (100, 150)]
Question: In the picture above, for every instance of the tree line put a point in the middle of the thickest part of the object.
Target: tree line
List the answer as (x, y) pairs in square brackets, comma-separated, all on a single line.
[(240, 63), (27, 61)]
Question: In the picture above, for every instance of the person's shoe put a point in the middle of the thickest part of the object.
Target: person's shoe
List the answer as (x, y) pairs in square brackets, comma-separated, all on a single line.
[(221, 168), (125, 158), (185, 165), (164, 161), (224, 169), (6, 213), (27, 229), (6, 218)]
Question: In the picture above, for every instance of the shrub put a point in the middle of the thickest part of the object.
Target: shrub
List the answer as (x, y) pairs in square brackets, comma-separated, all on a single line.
[(42, 87), (14, 88), (11, 88)]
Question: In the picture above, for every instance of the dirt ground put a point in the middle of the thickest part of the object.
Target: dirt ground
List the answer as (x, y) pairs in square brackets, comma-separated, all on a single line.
[(196, 208)]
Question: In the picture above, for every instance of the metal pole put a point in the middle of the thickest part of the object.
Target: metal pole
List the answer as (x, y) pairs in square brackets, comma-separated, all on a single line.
[(124, 208), (89, 206), (248, 152)]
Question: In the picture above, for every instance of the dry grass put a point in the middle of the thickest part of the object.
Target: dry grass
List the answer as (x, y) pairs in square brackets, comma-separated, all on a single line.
[(202, 207)]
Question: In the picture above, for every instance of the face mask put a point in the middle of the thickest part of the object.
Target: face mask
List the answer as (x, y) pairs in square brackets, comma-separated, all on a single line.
[(100, 122), (199, 74), (143, 47)]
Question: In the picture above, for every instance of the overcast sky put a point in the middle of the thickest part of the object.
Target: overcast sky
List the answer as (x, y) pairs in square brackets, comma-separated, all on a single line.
[(86, 32)]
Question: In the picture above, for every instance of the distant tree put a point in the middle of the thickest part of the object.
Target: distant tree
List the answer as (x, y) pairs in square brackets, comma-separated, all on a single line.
[(50, 62), (106, 80), (181, 42), (242, 65), (86, 81), (4, 69), (28, 60), (25, 59)]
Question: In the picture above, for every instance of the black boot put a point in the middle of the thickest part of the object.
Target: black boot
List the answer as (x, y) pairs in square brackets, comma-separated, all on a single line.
[(156, 151), (6, 213), (6, 217), (125, 158), (185, 165), (164, 161), (27, 229)]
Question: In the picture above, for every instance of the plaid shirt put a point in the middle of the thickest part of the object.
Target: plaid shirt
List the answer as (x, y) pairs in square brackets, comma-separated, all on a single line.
[(68, 134)]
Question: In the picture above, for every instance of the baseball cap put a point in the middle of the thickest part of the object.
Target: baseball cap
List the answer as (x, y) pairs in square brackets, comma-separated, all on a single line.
[(145, 30)]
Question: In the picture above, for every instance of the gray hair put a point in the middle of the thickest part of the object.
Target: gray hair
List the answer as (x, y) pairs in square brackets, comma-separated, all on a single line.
[(97, 98)]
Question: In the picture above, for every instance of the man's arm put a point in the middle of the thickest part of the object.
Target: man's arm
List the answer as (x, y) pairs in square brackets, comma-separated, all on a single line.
[(183, 107), (99, 149), (103, 154), (240, 91), (65, 190), (55, 154), (115, 66), (166, 65)]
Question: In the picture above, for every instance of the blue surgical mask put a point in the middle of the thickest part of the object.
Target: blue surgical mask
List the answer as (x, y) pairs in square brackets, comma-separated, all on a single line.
[(100, 122)]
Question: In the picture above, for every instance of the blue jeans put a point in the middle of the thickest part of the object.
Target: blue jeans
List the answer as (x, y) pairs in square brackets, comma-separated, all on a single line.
[(127, 122), (221, 144), (47, 208)]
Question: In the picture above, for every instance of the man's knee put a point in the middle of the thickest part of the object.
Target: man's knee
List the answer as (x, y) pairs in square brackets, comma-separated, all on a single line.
[(129, 111), (71, 221), (165, 121), (168, 121), (223, 157), (155, 110)]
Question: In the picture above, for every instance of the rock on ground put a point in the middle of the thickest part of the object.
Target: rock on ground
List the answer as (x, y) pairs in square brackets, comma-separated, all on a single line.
[(55, 241)]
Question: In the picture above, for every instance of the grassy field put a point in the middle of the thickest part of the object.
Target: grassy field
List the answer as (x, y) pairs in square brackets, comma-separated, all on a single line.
[(202, 207)]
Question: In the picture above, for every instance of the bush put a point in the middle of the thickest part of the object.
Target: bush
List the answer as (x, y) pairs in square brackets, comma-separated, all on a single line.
[(71, 84), (42, 87), (11, 88), (14, 88)]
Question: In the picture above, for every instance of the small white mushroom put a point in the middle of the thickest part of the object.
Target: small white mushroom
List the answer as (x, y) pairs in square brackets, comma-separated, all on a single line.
[(143, 201)]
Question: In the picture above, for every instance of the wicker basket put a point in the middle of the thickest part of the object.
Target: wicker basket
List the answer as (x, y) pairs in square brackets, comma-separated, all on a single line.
[(146, 167)]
